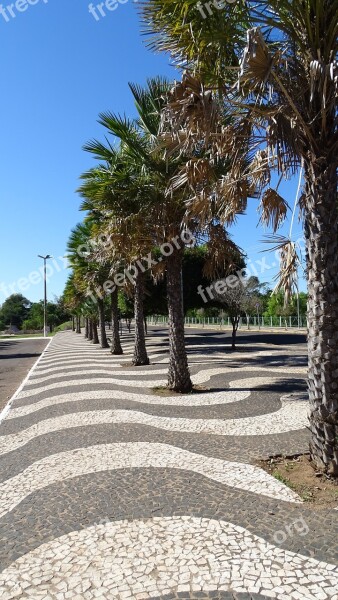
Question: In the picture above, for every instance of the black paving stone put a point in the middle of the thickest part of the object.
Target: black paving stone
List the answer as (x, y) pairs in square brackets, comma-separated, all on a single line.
[(245, 449), (252, 406), (144, 493)]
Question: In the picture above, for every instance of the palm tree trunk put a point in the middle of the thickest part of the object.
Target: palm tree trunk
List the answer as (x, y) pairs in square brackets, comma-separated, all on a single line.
[(78, 324), (178, 376), (321, 230), (103, 335), (140, 352), (116, 347), (86, 328), (73, 323), (95, 332), (90, 330)]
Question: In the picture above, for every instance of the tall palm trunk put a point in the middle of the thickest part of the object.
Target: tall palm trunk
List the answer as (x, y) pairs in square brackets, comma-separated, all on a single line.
[(78, 324), (73, 323), (321, 229), (90, 330), (178, 376), (86, 328), (140, 352), (103, 335), (95, 332), (116, 347)]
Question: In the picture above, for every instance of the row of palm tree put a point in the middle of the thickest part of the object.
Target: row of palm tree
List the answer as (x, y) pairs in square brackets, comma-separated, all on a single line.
[(272, 65), (257, 97), (129, 200)]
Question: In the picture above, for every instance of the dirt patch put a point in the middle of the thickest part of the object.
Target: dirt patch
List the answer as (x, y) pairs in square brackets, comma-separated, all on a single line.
[(164, 391), (316, 489)]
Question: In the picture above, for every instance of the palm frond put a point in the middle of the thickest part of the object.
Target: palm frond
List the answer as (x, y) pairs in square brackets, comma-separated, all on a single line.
[(273, 209)]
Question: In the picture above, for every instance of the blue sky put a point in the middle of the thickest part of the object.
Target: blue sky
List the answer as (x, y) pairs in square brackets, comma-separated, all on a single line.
[(60, 68)]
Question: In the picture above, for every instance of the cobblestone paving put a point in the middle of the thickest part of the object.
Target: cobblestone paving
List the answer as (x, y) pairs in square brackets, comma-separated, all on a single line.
[(111, 491)]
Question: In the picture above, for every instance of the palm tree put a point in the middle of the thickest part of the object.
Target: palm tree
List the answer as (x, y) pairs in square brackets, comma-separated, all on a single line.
[(89, 275), (282, 56), (165, 212), (119, 181), (73, 299), (93, 191)]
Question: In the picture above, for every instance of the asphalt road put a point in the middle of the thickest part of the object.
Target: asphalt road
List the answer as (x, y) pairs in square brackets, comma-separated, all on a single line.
[(16, 359)]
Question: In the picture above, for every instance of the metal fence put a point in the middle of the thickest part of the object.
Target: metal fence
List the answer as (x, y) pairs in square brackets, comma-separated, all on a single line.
[(252, 322)]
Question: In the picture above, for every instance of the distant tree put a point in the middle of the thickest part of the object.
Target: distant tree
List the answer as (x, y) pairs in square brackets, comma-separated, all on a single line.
[(193, 275), (238, 296), (125, 307), (56, 315), (276, 305), (14, 310), (155, 299), (253, 301)]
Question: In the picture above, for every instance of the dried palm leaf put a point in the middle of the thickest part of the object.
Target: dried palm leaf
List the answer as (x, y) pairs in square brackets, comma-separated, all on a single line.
[(223, 255), (256, 63), (260, 169), (287, 278), (273, 209)]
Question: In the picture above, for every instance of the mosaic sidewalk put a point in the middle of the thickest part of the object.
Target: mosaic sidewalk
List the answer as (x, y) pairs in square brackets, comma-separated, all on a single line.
[(111, 491)]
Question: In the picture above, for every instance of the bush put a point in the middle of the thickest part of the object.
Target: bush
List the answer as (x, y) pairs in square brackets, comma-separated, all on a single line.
[(32, 325), (63, 327)]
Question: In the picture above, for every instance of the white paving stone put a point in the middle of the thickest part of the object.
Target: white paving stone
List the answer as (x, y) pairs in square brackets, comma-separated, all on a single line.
[(72, 368), (291, 417), (97, 371), (104, 457), (201, 399), (75, 364), (202, 377), (127, 558), (145, 559), (69, 372)]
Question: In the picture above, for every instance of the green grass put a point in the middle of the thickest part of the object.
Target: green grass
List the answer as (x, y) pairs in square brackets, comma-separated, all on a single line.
[(282, 479), (21, 335), (305, 494)]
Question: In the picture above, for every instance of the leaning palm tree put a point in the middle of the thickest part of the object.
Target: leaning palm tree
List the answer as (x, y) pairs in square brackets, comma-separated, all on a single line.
[(274, 64)]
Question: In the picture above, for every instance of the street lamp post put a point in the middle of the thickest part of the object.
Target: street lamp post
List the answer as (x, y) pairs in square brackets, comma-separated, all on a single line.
[(45, 258)]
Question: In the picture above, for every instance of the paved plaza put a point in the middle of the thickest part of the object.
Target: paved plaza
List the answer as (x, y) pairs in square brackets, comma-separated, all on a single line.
[(113, 490)]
